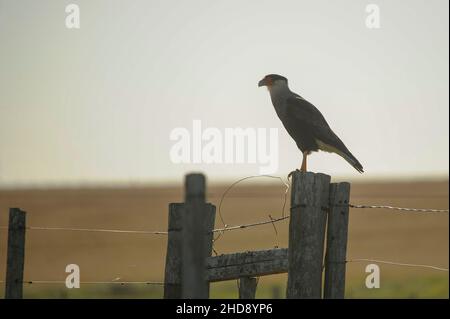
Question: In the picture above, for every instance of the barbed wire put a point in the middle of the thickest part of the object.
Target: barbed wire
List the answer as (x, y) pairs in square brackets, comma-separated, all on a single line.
[(418, 210), (100, 230), (396, 263), (159, 283), (122, 283), (274, 220), (146, 232), (271, 220), (264, 222), (227, 227), (224, 194)]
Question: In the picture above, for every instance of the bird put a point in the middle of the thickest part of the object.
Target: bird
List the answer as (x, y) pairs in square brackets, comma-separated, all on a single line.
[(304, 122)]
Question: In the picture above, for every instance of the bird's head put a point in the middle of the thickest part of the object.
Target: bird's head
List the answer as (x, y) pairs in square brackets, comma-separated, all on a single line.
[(271, 80)]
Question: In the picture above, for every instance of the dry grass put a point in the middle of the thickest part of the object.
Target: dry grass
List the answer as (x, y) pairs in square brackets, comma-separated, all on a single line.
[(405, 237)]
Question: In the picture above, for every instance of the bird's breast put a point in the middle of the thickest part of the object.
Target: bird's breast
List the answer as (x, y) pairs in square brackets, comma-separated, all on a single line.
[(280, 107)]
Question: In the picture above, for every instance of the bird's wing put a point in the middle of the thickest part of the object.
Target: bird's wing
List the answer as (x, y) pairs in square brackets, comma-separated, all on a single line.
[(304, 114), (309, 117)]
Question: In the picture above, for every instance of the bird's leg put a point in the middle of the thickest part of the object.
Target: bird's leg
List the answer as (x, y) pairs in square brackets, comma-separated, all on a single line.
[(303, 168)]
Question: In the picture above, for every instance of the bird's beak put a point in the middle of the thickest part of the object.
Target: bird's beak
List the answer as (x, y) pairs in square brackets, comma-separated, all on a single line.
[(262, 82)]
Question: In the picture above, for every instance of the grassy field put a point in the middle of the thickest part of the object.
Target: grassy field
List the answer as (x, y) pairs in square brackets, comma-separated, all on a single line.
[(417, 238)]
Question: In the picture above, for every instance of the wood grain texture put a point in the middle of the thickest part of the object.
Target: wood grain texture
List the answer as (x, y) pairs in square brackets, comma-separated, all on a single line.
[(337, 233), (173, 267), (16, 254), (194, 284), (309, 202), (247, 264), (247, 287), (173, 270)]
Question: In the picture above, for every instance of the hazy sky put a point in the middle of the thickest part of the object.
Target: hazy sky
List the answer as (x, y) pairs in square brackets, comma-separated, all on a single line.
[(97, 104)]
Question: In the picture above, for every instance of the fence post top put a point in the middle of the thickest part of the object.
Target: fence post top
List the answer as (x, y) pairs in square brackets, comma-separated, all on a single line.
[(17, 216), (341, 185), (17, 210), (195, 184), (300, 174)]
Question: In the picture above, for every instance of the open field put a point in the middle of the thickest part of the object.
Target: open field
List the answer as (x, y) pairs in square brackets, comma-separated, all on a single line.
[(419, 238)]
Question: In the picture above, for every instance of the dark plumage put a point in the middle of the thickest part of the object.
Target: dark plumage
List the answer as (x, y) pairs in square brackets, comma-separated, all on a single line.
[(304, 122)]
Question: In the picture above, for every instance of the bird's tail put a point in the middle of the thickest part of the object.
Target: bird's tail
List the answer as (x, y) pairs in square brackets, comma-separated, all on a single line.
[(339, 148), (352, 161)]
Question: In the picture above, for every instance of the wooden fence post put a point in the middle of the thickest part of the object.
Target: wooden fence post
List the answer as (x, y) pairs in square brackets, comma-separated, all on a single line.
[(15, 254), (194, 283), (247, 287), (172, 276), (309, 202), (210, 220), (337, 232), (173, 268)]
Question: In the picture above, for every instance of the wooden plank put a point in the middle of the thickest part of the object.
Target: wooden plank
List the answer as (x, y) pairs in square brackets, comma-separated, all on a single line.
[(258, 269), (194, 284), (337, 233), (247, 264), (309, 201), (247, 287), (16, 254), (246, 257)]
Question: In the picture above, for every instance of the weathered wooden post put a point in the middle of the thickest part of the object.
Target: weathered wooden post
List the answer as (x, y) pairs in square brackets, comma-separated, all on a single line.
[(173, 269), (209, 221), (309, 202), (172, 276), (193, 252), (247, 287), (16, 254), (197, 239), (337, 233)]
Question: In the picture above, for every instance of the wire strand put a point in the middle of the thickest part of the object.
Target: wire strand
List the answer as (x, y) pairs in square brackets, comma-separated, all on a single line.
[(396, 263), (419, 210), (265, 222), (158, 283), (94, 282), (100, 230), (227, 227), (286, 184)]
